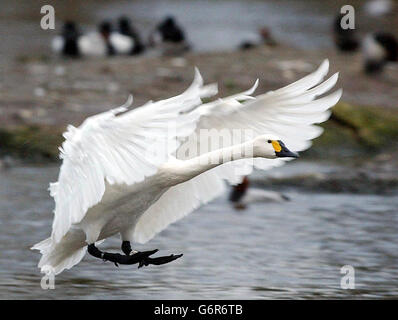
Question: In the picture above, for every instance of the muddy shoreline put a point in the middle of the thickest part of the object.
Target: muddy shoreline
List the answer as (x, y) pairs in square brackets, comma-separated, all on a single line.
[(40, 96), (382, 180)]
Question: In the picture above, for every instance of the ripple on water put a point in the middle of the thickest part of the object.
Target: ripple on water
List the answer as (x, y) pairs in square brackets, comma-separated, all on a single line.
[(289, 250)]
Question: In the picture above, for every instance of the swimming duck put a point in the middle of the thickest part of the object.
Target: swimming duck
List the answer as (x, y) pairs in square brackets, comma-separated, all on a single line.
[(134, 172), (241, 195)]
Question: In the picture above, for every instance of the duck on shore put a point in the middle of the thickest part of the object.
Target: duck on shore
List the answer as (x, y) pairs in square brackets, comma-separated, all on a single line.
[(103, 42), (66, 43), (379, 49), (169, 37), (127, 29), (346, 40), (263, 37)]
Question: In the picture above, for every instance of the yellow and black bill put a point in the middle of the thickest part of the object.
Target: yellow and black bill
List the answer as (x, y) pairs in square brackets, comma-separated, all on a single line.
[(282, 151)]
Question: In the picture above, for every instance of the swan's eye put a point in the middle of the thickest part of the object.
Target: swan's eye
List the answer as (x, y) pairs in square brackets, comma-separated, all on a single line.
[(269, 141)]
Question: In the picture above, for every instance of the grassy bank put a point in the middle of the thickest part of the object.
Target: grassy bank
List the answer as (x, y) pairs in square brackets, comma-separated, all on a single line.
[(351, 131), (31, 143), (356, 130)]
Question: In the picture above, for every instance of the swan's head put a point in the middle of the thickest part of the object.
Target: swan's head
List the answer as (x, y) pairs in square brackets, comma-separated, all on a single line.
[(270, 146)]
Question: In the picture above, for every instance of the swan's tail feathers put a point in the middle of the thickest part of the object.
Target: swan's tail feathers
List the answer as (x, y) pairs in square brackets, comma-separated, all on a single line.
[(42, 246), (60, 256)]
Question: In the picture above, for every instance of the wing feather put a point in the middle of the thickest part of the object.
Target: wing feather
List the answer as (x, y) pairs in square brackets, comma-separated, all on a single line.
[(119, 146), (290, 113)]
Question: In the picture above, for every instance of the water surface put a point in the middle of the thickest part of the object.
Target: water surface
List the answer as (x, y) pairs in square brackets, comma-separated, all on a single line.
[(289, 250)]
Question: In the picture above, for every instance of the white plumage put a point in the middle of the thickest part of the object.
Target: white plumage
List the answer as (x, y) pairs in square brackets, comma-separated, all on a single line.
[(121, 43), (372, 50), (57, 44), (92, 44), (378, 7), (128, 172)]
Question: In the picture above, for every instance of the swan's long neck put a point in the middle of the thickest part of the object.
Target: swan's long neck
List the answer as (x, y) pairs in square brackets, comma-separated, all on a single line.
[(191, 168)]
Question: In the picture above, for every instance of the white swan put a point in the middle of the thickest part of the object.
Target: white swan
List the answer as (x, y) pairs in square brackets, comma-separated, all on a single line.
[(118, 176)]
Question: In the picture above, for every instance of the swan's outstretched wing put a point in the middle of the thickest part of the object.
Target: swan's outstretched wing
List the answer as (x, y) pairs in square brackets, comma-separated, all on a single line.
[(289, 113), (122, 148)]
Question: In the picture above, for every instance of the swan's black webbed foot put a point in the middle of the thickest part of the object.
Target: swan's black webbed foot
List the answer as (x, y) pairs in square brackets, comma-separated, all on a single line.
[(126, 248), (140, 257), (159, 260)]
